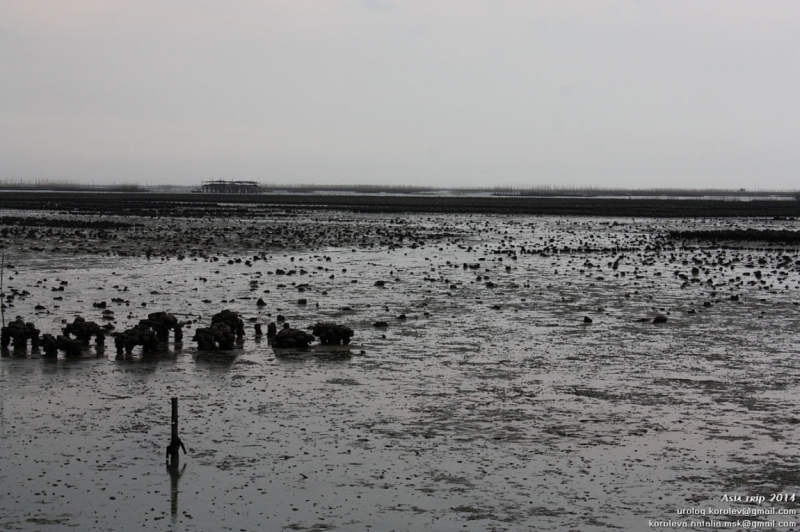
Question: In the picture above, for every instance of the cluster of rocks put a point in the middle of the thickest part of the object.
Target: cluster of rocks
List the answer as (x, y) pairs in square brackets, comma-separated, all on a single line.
[(288, 337), (328, 333), (84, 330), (72, 347), (149, 333), (140, 334), (226, 329), (19, 333), (75, 336), (332, 334), (161, 323), (53, 344)]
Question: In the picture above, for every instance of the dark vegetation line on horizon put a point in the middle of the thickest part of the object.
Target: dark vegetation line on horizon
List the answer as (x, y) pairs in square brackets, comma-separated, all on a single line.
[(248, 206), (536, 190), (49, 185)]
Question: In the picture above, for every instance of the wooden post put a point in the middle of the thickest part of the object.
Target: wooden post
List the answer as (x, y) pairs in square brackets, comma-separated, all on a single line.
[(175, 443), (174, 419)]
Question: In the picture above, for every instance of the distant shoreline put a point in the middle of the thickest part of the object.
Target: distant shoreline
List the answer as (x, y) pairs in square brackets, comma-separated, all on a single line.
[(184, 204)]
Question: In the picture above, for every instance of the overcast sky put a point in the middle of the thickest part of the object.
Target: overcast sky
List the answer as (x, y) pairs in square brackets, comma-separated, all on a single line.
[(672, 93)]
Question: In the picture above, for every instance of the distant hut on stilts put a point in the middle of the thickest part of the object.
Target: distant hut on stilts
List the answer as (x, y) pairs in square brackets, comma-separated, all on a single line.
[(229, 187)]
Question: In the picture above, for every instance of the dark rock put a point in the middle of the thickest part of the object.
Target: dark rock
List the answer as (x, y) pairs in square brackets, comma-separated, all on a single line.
[(161, 323), (218, 336), (587, 319), (381, 324), (49, 345), (332, 333), (140, 334), (84, 330), (232, 320), (226, 329), (660, 318), (19, 332), (52, 345), (287, 338)]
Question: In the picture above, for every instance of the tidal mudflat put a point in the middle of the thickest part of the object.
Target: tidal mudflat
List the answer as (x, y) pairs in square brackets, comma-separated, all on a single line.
[(519, 382)]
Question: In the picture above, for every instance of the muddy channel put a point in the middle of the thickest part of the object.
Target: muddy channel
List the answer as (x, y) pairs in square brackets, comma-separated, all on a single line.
[(519, 383)]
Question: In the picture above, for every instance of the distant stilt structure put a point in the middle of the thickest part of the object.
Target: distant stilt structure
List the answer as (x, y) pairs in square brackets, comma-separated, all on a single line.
[(229, 187)]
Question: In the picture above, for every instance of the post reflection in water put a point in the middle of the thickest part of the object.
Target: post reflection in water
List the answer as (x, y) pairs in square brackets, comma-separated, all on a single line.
[(2, 416), (175, 473)]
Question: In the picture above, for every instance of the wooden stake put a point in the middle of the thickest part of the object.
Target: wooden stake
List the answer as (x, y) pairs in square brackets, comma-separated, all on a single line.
[(175, 444), (174, 418)]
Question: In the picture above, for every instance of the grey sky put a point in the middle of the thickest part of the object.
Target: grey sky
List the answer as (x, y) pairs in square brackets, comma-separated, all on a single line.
[(454, 93)]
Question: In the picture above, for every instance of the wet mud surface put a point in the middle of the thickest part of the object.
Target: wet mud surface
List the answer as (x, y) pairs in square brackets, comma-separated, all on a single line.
[(488, 401)]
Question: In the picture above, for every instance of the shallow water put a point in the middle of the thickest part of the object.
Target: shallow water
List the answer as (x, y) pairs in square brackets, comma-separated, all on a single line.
[(487, 408)]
